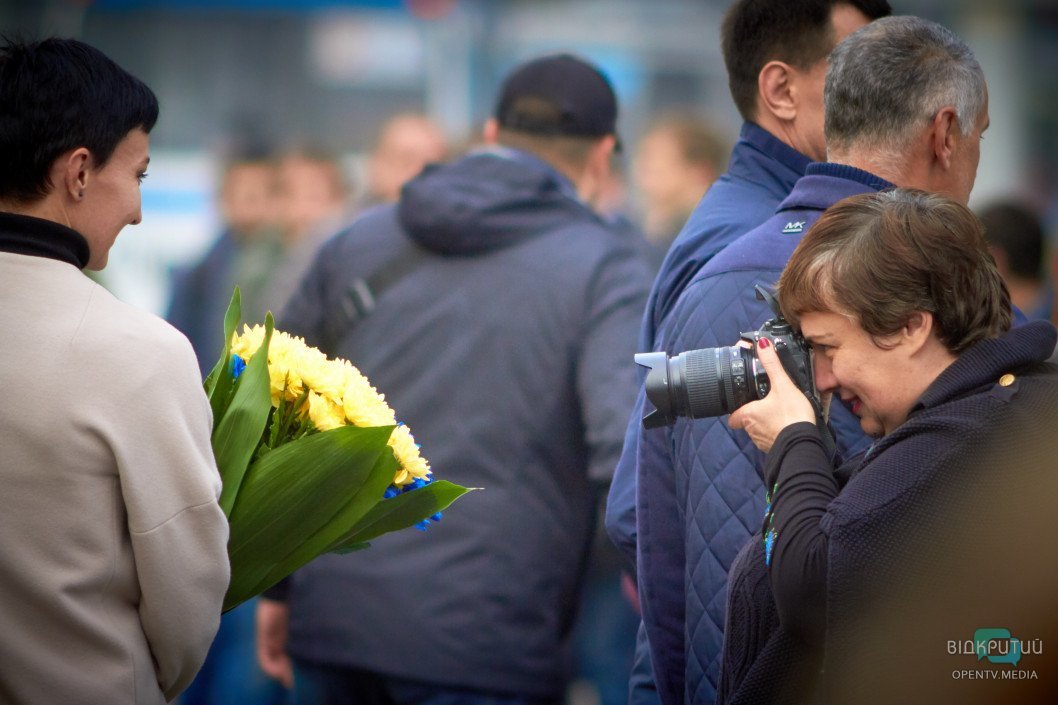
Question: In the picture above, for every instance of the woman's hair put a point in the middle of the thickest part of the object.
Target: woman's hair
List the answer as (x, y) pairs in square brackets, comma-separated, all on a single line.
[(57, 95), (881, 257)]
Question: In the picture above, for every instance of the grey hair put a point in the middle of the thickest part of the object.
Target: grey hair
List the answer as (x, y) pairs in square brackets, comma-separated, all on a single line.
[(890, 78)]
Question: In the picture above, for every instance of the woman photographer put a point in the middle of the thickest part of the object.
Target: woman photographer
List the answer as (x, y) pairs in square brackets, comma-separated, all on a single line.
[(865, 576)]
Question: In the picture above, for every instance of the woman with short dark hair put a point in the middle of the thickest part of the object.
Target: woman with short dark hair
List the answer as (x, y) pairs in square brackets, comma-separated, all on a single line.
[(113, 546), (862, 574)]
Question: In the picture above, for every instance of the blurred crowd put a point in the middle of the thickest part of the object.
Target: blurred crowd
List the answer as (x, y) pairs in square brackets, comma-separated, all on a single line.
[(279, 206)]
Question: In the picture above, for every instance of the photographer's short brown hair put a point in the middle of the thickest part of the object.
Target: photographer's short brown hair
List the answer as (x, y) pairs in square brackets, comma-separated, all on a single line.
[(881, 257)]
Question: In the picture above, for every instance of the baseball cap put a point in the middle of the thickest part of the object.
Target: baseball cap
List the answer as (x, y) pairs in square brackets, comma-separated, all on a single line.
[(558, 95)]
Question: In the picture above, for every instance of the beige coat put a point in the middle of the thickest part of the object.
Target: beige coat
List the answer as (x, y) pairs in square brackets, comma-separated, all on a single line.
[(112, 545)]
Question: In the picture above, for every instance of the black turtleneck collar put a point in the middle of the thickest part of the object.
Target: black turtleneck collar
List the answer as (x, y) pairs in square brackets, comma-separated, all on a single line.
[(37, 237)]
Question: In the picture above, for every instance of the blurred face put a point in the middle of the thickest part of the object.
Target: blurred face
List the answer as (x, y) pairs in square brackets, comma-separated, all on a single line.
[(658, 165), (664, 176), (310, 192), (407, 145), (112, 197), (872, 381), (845, 20), (247, 197)]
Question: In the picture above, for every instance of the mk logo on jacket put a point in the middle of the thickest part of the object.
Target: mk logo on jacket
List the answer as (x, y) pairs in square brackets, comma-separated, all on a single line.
[(794, 227)]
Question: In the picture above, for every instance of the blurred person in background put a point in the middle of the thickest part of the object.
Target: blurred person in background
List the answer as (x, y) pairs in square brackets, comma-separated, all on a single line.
[(278, 212), (503, 327), (406, 143), (775, 52), (1016, 241), (676, 162), (608, 617), (882, 129), (313, 204), (114, 546), (245, 253)]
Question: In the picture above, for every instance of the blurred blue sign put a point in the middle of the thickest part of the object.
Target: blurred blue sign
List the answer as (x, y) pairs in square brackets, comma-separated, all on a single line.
[(293, 5)]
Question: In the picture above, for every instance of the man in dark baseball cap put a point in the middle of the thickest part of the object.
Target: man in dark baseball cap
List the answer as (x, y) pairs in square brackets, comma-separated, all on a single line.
[(558, 95), (504, 324)]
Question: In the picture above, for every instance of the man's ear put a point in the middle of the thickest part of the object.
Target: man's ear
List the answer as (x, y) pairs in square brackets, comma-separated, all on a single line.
[(944, 132), (600, 159), (774, 88), (490, 134), (71, 172), (602, 153), (596, 169)]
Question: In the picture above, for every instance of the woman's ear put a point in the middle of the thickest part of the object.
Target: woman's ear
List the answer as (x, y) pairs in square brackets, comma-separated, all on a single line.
[(917, 331), (73, 169)]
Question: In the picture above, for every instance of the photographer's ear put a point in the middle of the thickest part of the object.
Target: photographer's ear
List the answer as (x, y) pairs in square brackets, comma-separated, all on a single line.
[(917, 331)]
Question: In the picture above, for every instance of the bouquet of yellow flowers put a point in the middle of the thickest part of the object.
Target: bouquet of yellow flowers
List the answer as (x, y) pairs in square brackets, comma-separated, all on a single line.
[(311, 457)]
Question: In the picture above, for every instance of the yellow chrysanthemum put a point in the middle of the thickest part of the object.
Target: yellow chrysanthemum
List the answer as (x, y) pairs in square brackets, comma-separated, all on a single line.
[(324, 413), (337, 393), (363, 405), (323, 376), (412, 465), (246, 345)]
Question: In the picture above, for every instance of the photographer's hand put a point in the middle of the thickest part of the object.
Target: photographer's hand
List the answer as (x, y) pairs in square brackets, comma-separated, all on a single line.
[(784, 405)]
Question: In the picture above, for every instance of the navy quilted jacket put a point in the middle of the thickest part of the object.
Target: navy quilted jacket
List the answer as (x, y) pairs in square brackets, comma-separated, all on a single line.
[(700, 484), (760, 174)]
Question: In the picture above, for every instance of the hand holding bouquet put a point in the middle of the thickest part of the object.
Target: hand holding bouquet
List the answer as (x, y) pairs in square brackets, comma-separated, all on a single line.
[(311, 457)]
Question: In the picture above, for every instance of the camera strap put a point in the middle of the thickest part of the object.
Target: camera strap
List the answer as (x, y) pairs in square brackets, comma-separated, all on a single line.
[(824, 429)]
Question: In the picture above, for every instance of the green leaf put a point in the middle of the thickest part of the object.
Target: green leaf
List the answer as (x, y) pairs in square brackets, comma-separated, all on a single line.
[(367, 496), (400, 512), (219, 382), (236, 435), (294, 493)]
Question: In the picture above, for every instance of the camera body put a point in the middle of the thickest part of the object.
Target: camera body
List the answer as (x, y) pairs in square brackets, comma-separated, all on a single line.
[(716, 381)]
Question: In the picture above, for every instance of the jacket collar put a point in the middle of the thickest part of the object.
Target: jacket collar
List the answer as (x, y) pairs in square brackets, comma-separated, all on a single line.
[(531, 161), (824, 184), (767, 143), (985, 362), (488, 200), (37, 237)]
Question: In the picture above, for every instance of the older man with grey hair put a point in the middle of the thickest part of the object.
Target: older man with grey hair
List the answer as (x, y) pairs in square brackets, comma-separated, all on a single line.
[(906, 100), (905, 105)]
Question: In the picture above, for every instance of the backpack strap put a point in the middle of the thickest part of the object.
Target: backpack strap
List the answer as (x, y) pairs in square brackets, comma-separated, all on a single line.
[(361, 295)]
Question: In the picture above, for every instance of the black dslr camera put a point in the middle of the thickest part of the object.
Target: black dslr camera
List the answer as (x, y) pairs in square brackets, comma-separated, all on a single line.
[(716, 381)]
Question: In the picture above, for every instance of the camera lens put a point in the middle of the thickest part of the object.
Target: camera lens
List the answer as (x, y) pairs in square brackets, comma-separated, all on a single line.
[(697, 383)]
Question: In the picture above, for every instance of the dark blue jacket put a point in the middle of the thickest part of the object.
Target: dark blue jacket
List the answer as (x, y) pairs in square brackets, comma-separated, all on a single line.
[(761, 173), (700, 486), (508, 351)]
